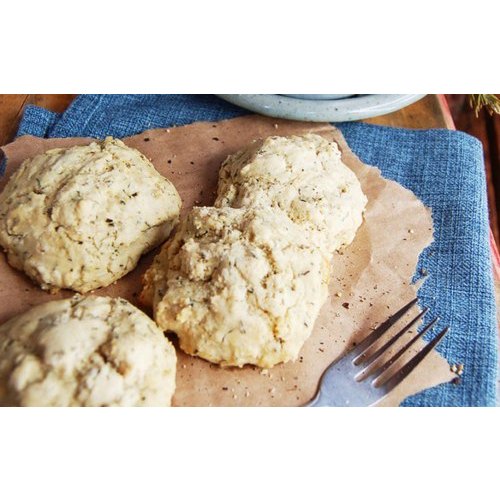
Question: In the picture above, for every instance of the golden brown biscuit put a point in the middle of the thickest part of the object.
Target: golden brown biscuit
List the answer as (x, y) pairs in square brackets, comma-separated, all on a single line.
[(302, 175), (80, 218), (93, 351), (238, 286)]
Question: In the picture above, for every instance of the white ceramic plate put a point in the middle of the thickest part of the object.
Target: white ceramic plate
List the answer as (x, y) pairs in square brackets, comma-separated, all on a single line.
[(314, 110)]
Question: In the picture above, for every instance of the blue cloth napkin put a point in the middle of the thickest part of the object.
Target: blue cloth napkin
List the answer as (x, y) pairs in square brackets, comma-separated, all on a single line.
[(444, 168)]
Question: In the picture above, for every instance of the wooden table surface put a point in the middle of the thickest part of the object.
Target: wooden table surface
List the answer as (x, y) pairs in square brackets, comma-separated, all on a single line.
[(430, 112), (426, 113)]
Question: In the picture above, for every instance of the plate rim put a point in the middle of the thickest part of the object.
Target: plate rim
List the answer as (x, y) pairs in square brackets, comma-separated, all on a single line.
[(334, 110)]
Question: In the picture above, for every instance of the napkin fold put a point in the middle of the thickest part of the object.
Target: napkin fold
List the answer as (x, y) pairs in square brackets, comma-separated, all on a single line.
[(443, 168)]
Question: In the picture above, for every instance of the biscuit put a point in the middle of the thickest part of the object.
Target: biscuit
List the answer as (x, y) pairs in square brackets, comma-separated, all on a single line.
[(302, 175), (93, 351), (81, 217), (238, 286)]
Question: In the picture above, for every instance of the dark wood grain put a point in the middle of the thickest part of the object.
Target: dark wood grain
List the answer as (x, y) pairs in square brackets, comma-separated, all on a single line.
[(426, 113), (493, 170), (12, 106), (486, 128)]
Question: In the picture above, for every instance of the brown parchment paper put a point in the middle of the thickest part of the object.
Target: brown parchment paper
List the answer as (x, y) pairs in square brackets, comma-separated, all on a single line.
[(370, 278)]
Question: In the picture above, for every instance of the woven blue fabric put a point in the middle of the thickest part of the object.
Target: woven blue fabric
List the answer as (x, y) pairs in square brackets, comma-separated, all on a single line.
[(444, 168)]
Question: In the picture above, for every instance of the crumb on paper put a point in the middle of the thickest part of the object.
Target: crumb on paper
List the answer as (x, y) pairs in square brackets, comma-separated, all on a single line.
[(265, 371), (411, 231), (247, 394), (339, 294), (346, 305)]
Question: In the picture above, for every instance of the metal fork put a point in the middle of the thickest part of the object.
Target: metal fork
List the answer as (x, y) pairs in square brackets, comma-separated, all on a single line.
[(361, 378)]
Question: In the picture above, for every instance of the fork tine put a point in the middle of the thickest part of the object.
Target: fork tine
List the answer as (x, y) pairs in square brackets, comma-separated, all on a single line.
[(406, 369), (372, 358), (381, 329), (403, 349)]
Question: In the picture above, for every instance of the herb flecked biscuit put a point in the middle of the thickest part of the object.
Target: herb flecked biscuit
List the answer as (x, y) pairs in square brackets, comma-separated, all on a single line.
[(302, 175), (80, 218), (93, 351), (238, 286)]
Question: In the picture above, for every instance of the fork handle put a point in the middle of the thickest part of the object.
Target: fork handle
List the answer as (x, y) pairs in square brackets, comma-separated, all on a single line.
[(318, 401), (338, 386)]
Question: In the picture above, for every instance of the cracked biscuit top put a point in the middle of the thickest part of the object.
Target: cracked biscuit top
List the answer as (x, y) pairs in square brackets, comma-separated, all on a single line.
[(85, 351), (81, 217), (238, 286), (302, 175)]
